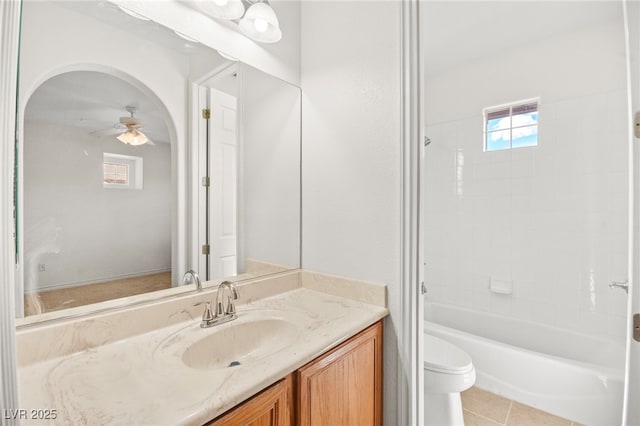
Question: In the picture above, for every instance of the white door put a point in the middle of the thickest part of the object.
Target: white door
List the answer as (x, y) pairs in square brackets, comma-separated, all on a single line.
[(632, 391), (224, 183)]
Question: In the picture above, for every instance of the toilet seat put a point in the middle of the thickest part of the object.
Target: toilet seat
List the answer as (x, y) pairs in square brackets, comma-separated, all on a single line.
[(442, 357)]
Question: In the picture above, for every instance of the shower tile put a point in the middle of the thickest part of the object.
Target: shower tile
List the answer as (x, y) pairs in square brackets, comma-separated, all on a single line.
[(501, 304), (568, 318), (522, 309), (485, 404), (521, 415), (544, 313), (481, 300)]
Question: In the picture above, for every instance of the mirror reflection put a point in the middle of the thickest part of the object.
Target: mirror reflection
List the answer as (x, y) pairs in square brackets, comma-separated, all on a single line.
[(97, 211), (124, 183)]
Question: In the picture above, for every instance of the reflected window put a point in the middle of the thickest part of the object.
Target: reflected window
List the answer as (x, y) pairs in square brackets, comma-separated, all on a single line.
[(116, 173), (511, 126), (122, 171)]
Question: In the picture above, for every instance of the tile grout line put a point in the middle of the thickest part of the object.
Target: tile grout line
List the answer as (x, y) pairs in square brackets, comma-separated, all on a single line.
[(483, 417), (506, 420)]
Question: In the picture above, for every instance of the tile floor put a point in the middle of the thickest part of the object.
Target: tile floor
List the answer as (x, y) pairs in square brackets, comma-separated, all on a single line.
[(482, 408), (69, 297)]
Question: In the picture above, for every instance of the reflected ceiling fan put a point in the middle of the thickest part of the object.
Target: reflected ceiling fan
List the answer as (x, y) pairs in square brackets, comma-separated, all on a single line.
[(128, 129)]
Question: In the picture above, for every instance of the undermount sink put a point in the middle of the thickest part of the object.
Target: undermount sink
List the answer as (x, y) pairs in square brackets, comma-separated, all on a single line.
[(239, 343)]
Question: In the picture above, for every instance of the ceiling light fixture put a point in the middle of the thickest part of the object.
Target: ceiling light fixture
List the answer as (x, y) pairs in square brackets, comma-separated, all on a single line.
[(259, 22), (223, 9), (133, 137)]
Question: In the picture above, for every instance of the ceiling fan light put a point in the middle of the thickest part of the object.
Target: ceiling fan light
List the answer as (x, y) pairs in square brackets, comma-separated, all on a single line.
[(223, 9), (261, 24), (133, 137)]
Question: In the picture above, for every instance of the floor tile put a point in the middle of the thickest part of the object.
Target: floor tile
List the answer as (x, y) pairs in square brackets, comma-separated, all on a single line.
[(522, 415), (472, 419), (486, 404)]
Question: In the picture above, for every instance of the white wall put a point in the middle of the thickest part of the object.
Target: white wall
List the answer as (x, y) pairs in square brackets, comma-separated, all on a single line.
[(552, 218), (351, 151), (98, 233), (270, 144)]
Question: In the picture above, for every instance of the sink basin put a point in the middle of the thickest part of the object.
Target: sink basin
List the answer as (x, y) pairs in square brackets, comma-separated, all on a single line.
[(239, 343)]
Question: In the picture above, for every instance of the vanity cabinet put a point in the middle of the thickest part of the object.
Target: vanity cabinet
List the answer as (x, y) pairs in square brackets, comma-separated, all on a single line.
[(271, 407), (342, 387)]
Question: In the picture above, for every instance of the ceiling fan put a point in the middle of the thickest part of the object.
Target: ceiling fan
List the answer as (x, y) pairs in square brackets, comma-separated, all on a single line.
[(128, 129)]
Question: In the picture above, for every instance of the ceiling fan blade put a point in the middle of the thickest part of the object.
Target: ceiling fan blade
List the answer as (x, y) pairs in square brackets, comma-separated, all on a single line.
[(106, 132)]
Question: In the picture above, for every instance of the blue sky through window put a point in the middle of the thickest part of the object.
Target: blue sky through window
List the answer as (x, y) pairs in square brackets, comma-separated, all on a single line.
[(514, 126)]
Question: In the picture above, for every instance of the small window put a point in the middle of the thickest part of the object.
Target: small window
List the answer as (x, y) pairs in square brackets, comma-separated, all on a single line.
[(116, 173), (511, 126), (121, 171)]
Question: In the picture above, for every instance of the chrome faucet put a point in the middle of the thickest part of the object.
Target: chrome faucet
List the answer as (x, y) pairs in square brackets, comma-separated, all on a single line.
[(222, 315), (191, 276)]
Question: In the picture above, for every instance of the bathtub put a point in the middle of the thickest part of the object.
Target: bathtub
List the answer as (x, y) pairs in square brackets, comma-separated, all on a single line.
[(575, 376)]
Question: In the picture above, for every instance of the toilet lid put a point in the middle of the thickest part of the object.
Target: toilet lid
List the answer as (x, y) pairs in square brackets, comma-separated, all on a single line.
[(444, 357)]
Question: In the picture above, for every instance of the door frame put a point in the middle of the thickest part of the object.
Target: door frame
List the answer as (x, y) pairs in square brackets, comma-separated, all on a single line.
[(410, 330), (197, 149), (10, 12), (631, 410)]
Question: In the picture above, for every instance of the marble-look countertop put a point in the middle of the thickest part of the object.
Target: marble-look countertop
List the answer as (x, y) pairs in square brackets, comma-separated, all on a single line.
[(142, 380)]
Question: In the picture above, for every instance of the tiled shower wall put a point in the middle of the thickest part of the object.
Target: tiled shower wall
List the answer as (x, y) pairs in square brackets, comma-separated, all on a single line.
[(552, 219)]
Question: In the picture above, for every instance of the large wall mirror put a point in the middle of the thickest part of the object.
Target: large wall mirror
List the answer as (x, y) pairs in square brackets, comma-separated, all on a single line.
[(143, 154)]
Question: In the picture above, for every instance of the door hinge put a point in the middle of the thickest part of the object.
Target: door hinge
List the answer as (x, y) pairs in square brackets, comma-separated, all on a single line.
[(427, 141), (423, 288), (206, 113), (206, 181), (636, 327), (206, 249)]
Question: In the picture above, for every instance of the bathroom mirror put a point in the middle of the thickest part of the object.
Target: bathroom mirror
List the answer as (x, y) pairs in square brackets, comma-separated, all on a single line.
[(101, 221)]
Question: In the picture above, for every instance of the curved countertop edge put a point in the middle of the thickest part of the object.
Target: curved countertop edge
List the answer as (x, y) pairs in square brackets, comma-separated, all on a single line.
[(138, 389)]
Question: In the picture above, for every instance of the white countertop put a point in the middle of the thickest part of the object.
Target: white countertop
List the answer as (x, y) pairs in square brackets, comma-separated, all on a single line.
[(142, 380)]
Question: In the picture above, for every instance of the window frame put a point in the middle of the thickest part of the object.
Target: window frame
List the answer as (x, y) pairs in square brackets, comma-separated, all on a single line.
[(510, 106)]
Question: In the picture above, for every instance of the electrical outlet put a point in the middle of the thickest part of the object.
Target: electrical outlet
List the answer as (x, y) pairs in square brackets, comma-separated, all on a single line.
[(42, 267)]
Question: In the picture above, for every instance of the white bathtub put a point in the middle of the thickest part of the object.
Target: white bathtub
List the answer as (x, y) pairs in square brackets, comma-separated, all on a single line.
[(574, 376)]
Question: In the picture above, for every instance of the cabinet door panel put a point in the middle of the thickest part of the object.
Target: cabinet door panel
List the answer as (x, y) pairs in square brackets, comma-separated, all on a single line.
[(344, 387), (270, 407)]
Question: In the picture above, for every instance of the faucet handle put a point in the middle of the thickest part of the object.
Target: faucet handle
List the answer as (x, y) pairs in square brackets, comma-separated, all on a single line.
[(207, 315), (219, 309), (231, 308), (234, 291), (235, 294)]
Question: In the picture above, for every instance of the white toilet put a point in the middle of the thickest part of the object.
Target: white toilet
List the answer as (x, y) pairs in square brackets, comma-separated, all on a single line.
[(448, 370)]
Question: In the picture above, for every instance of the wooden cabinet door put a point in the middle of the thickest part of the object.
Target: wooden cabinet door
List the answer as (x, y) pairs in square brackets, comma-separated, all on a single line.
[(344, 386), (271, 407)]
